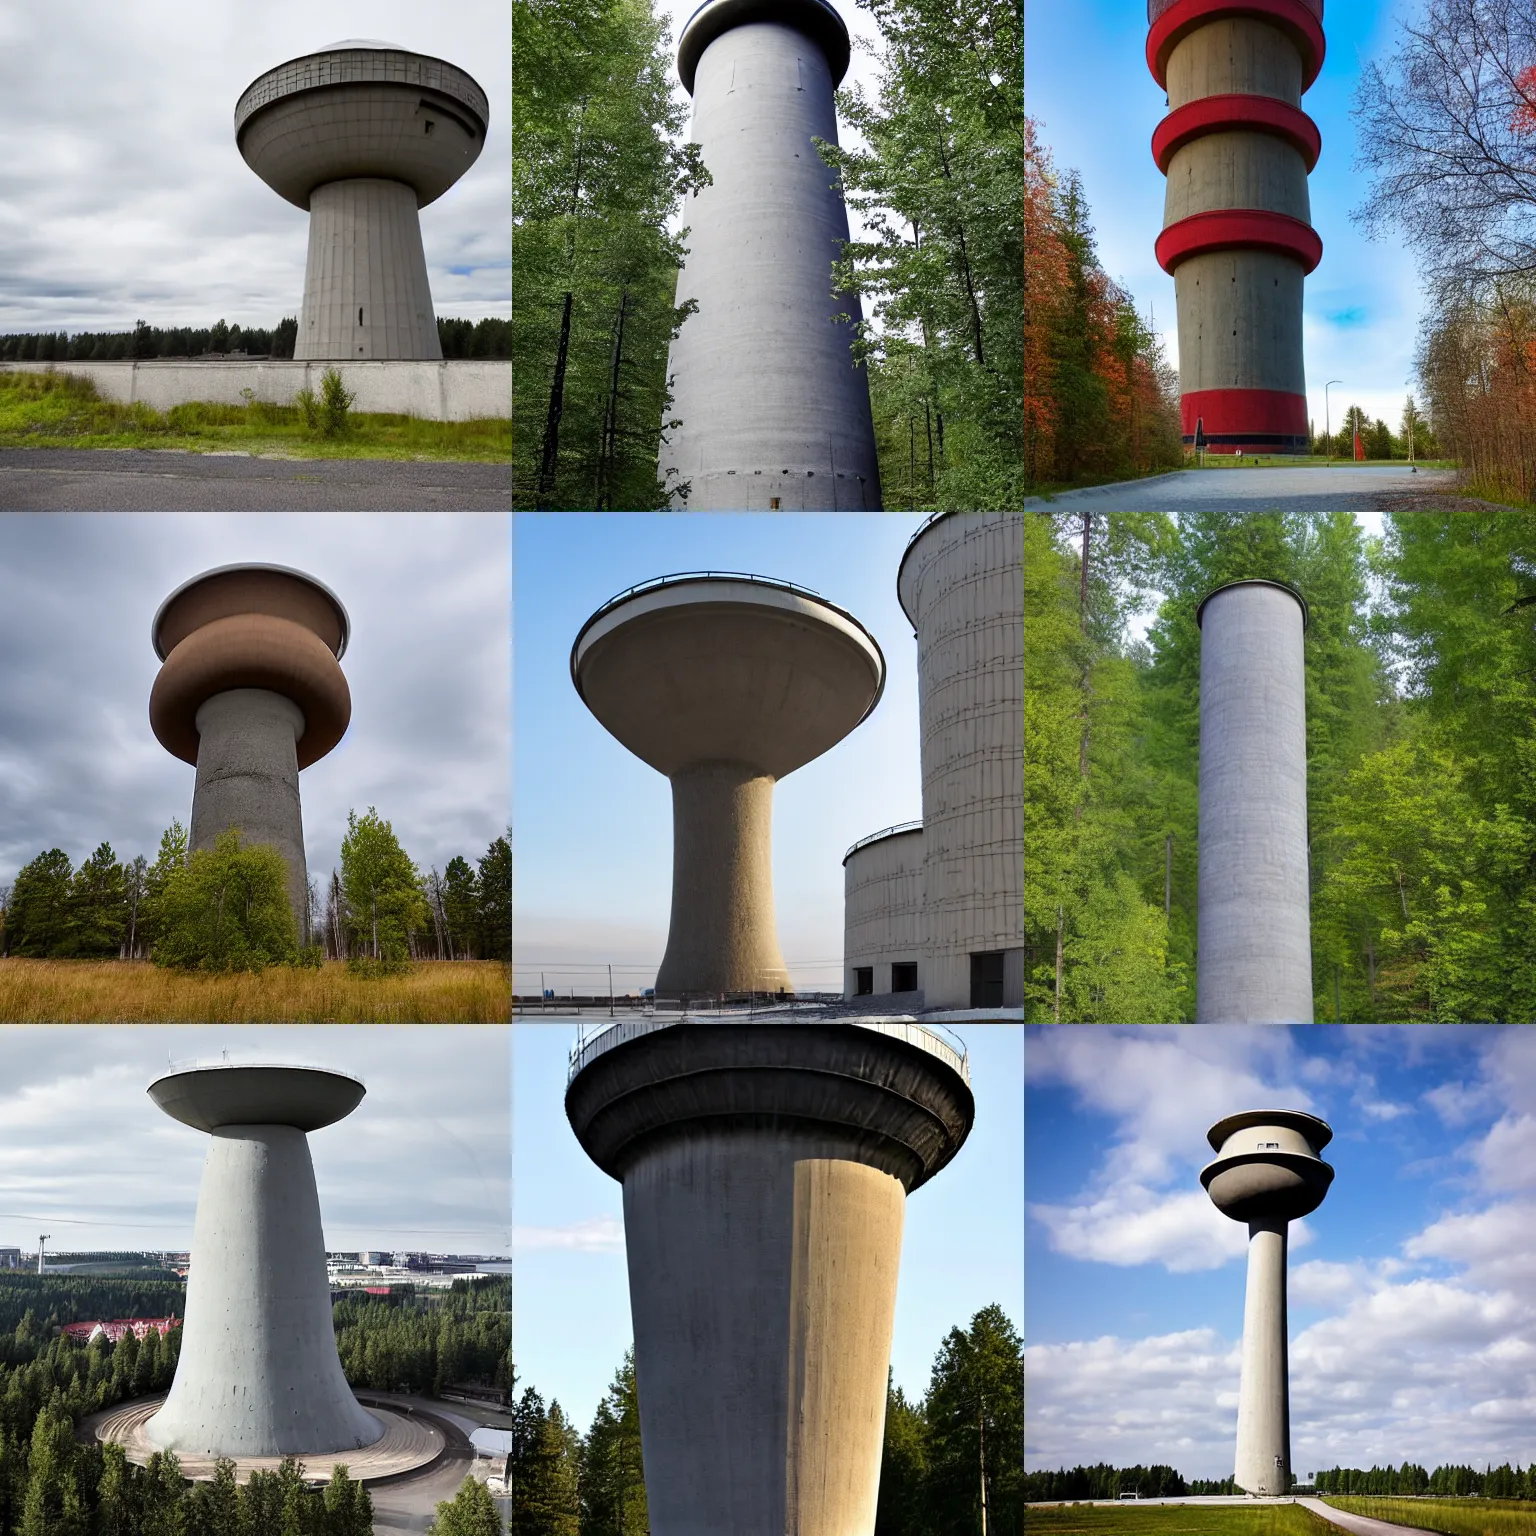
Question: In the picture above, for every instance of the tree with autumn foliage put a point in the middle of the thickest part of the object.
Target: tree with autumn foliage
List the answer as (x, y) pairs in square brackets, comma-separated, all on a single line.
[(1101, 402)]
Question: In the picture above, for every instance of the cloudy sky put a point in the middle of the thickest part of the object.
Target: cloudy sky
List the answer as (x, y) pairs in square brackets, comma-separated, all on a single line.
[(427, 666), (1412, 1326), (592, 882), (1087, 85), (123, 197), (962, 1241), (423, 1163)]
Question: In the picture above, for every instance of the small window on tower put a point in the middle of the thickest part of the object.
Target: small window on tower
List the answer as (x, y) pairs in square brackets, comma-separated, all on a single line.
[(359, 314)]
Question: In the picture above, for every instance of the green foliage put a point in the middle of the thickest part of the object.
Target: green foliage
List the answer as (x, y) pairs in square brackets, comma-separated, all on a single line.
[(412, 1343), (381, 888), (227, 909), (334, 404), (612, 1474), (37, 916), (461, 907), (599, 167), (495, 904), (544, 1462), (471, 1512)]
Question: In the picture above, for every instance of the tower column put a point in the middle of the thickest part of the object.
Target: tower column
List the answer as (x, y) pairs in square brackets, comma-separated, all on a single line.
[(1264, 1402)]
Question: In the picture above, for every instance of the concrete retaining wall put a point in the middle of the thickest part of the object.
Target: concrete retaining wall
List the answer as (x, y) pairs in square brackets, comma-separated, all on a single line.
[(461, 390)]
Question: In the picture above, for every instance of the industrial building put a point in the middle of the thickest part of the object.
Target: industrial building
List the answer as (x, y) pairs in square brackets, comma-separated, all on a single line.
[(363, 135), (258, 1373), (774, 413), (1237, 236), (1267, 1173), (250, 692), (946, 895)]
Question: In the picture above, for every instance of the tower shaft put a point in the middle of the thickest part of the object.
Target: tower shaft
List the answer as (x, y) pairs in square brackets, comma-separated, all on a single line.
[(1264, 1399)]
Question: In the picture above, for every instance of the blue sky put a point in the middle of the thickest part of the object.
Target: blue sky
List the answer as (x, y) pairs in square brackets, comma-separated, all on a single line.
[(962, 1248), (1087, 84), (592, 877), (1413, 1333)]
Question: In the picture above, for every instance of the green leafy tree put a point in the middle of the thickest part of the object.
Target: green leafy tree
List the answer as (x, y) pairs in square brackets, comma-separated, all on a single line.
[(612, 1473), (461, 909), (495, 905), (37, 919), (471, 1512), (903, 1469), (348, 1507), (381, 888), (227, 909), (98, 907), (172, 855), (543, 1465), (117, 1505), (53, 1504)]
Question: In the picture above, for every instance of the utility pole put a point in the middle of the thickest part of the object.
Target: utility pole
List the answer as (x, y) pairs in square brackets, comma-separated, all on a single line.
[(981, 1441), (610, 991), (1327, 428)]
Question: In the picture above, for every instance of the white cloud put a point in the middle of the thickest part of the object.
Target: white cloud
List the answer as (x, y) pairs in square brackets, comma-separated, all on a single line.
[(598, 1234)]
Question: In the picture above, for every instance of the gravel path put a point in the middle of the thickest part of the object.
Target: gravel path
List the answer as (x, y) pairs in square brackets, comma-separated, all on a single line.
[(1360, 1525), (1363, 488)]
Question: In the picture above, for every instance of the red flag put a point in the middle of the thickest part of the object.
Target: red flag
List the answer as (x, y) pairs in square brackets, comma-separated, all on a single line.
[(1359, 446)]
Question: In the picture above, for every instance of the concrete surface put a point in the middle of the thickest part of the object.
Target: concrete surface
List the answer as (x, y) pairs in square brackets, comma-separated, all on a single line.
[(773, 412), (362, 136), (1254, 959), (961, 585), (258, 1373), (142, 480), (1239, 315), (725, 685), (462, 389), (765, 1168), (883, 908), (1267, 1173), (1343, 488), (208, 1098)]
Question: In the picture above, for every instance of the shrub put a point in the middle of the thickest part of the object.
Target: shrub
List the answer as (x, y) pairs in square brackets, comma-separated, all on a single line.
[(227, 909)]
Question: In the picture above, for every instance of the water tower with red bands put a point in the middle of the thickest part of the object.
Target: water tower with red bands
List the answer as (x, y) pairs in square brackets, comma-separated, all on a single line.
[(1237, 233)]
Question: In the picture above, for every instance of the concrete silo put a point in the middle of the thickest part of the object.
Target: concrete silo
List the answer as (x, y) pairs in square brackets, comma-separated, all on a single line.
[(1237, 234), (1253, 964), (363, 134), (883, 927), (250, 693), (258, 1373), (961, 584), (1268, 1174), (773, 412), (725, 684)]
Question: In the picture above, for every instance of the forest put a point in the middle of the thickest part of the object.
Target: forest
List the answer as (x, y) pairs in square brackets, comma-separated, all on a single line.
[(490, 337), (1420, 663), (972, 1415), (378, 906), (1103, 1481), (602, 174)]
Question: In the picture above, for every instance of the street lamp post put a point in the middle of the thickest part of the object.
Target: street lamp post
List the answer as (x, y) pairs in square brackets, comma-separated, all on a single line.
[(1327, 426)]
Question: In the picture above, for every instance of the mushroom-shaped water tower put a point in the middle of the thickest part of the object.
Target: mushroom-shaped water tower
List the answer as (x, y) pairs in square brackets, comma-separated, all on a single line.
[(363, 134), (250, 693), (1268, 1173), (258, 1373), (725, 683)]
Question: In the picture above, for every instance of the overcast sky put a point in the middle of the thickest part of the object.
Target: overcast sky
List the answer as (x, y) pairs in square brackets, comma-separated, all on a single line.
[(1412, 1324), (423, 1163), (427, 666), (123, 197)]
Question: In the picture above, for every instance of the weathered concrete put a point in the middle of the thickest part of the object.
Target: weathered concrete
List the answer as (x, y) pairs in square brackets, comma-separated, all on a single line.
[(765, 1169), (1254, 959), (258, 1373), (961, 584), (251, 692), (1268, 1173), (883, 908), (725, 684), (362, 135), (464, 389), (773, 411), (1239, 316)]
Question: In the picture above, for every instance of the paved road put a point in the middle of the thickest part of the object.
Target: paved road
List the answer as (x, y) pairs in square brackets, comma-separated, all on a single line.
[(1362, 488), (152, 480), (1360, 1525), (407, 1507)]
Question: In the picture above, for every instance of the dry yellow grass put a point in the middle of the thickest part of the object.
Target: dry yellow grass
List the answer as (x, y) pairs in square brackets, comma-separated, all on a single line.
[(136, 992)]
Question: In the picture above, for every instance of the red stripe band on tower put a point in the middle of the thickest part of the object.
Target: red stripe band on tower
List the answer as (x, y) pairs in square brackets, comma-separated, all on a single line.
[(1226, 229), (1219, 114), (1246, 420), (1302, 19)]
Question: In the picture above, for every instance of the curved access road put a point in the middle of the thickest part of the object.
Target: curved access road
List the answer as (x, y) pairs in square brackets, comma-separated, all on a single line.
[(1346, 488), (1360, 1525)]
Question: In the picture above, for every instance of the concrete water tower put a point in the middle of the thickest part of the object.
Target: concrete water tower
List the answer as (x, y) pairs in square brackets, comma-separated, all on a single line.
[(725, 684), (1253, 964), (1237, 236), (774, 413), (1267, 1173), (258, 1373), (362, 135), (251, 692)]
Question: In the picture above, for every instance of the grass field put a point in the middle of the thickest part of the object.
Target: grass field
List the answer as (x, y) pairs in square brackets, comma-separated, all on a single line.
[(1175, 1520), (1456, 1517), (56, 410), (137, 992)]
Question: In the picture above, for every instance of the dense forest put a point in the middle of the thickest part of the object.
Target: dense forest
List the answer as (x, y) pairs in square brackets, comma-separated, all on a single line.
[(378, 905), (1101, 400), (1421, 759), (1102, 1481), (972, 1416), (460, 338)]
